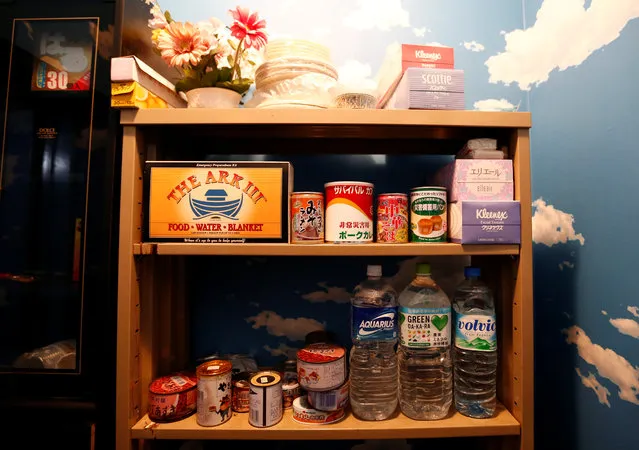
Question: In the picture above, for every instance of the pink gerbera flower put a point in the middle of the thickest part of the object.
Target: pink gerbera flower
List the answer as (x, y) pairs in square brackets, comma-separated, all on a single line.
[(248, 26), (182, 44)]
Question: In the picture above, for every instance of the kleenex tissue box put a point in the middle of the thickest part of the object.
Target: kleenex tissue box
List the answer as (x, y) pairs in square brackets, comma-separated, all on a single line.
[(473, 222)]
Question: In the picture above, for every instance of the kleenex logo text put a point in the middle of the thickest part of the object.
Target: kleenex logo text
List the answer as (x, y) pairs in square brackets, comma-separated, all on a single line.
[(485, 214)]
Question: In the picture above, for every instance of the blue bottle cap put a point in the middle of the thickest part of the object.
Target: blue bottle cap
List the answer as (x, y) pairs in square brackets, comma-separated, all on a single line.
[(472, 272)]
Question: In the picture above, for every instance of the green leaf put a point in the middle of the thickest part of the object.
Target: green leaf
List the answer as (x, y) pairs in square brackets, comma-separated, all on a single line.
[(251, 62), (225, 74), (167, 16), (210, 78), (230, 60), (239, 86), (186, 84), (232, 44)]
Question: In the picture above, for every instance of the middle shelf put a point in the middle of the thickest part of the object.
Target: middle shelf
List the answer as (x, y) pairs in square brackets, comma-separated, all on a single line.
[(398, 427), (408, 249)]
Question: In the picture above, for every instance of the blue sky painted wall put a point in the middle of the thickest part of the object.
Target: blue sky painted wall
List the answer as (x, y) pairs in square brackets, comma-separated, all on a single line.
[(573, 64)]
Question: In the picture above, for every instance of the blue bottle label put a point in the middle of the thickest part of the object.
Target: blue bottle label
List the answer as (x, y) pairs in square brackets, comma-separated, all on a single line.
[(374, 324), (476, 332)]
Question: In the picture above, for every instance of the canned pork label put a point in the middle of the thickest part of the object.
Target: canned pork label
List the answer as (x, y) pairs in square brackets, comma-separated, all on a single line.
[(349, 212), (428, 215), (266, 403), (214, 389), (392, 218), (307, 217), (241, 395)]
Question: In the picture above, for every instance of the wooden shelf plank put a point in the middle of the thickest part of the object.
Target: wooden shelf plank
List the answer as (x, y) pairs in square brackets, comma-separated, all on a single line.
[(373, 249), (248, 116), (399, 427)]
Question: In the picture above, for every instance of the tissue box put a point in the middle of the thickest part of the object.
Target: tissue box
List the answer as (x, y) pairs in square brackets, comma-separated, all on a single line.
[(472, 222), (477, 179), (429, 89), (427, 56)]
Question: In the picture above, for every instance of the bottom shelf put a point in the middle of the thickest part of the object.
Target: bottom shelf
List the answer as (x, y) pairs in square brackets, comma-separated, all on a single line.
[(398, 427)]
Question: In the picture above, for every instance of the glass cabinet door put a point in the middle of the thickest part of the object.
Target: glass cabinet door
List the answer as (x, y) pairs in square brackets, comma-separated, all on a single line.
[(44, 176)]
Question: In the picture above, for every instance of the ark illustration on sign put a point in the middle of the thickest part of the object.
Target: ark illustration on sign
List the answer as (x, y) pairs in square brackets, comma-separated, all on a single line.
[(215, 205)]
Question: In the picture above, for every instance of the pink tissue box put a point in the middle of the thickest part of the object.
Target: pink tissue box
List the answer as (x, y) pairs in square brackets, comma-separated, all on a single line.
[(477, 179)]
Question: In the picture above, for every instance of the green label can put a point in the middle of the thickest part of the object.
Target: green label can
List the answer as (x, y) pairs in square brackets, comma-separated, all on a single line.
[(428, 214)]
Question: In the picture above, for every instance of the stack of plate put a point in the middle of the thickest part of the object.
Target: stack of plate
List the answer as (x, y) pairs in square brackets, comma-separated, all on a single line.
[(295, 74)]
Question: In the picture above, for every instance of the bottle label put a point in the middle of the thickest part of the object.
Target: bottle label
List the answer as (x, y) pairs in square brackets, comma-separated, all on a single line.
[(424, 327), (476, 332), (374, 324)]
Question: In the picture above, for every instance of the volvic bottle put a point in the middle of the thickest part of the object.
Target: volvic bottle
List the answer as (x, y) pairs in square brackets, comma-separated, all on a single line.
[(475, 353), (373, 361), (425, 366)]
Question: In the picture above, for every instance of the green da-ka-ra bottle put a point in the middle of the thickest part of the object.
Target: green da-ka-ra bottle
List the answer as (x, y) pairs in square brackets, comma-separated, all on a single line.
[(425, 365), (475, 347)]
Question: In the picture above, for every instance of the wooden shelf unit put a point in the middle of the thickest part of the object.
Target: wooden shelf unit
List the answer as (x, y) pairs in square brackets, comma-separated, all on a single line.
[(152, 319), (398, 427)]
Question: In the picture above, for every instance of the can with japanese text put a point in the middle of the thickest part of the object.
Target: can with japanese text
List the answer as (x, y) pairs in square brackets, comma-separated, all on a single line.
[(266, 403), (321, 367), (214, 389), (428, 214), (172, 397), (307, 218), (241, 392), (349, 212), (392, 218), (290, 391)]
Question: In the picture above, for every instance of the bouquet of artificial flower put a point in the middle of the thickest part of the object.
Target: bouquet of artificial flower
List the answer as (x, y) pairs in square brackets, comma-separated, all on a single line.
[(209, 53)]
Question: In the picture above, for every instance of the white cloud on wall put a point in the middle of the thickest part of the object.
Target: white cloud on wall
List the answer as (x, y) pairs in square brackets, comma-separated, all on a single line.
[(564, 35), (474, 46), (634, 310), (381, 14), (567, 264), (628, 327), (328, 294), (356, 74), (282, 350), (493, 104), (593, 383), (552, 226), (420, 32), (609, 364), (294, 329)]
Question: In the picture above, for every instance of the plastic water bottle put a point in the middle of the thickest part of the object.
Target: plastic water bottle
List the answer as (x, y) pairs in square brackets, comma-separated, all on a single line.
[(425, 366), (373, 360), (475, 353)]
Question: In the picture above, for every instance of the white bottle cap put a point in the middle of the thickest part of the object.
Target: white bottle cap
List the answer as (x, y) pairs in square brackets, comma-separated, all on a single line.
[(374, 271)]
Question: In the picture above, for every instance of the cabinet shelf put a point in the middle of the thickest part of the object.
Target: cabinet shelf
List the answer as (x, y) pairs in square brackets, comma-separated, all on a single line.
[(399, 427), (375, 249)]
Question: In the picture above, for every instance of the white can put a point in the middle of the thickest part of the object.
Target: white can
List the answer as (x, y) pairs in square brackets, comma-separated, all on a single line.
[(349, 212), (265, 408), (214, 389)]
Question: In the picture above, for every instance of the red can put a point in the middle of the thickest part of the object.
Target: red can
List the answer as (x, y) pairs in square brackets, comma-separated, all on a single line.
[(307, 218), (349, 212), (392, 218), (172, 397)]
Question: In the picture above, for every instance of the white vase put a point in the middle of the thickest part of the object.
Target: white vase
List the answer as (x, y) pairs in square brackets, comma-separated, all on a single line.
[(213, 97)]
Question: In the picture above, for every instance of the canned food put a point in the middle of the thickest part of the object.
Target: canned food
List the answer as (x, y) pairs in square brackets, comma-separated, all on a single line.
[(214, 392), (172, 397), (241, 391), (290, 391), (349, 212), (307, 217), (392, 218), (304, 413), (321, 367), (266, 399), (289, 370), (332, 400), (428, 209)]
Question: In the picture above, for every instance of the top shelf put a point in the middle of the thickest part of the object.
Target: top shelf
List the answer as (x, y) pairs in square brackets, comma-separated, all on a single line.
[(332, 117)]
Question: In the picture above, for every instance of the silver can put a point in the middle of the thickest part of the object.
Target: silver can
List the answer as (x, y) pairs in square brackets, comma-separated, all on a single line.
[(266, 401), (214, 388)]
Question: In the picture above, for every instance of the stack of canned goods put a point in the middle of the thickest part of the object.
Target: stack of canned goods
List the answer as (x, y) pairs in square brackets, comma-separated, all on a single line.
[(345, 215), (321, 371)]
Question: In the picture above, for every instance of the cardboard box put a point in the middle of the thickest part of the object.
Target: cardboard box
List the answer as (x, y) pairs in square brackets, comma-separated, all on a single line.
[(218, 201), (399, 58), (130, 68), (131, 95), (473, 222), (477, 179)]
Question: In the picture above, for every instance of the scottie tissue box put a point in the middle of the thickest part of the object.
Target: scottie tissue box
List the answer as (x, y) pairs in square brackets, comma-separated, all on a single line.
[(422, 88), (473, 222), (477, 179)]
